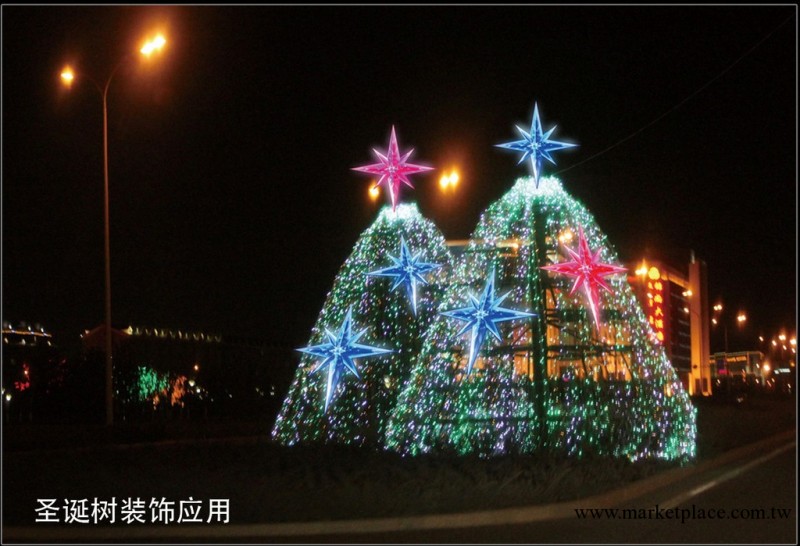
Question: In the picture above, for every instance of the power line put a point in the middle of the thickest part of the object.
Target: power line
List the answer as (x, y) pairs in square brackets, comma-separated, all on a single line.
[(684, 101)]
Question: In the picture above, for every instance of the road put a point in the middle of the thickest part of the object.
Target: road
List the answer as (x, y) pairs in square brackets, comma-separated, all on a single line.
[(763, 486), (758, 481)]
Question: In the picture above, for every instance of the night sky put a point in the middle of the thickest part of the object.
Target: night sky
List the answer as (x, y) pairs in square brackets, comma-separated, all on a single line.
[(232, 200)]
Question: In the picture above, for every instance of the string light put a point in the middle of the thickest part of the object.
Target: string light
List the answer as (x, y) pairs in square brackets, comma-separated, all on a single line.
[(360, 411), (559, 383), (607, 391)]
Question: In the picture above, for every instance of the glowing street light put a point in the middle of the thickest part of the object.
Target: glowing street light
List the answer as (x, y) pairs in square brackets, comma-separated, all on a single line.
[(68, 76), (741, 318), (374, 193), (151, 46), (449, 181)]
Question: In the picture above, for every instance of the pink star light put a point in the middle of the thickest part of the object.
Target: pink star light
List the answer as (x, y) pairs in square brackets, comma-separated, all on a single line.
[(393, 169), (588, 272)]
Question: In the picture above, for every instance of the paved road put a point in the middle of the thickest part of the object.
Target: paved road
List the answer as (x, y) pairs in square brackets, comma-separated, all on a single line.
[(760, 477), (771, 484)]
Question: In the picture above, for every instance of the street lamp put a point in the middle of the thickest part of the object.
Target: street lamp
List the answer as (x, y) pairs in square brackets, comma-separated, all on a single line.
[(741, 318), (68, 77), (449, 181)]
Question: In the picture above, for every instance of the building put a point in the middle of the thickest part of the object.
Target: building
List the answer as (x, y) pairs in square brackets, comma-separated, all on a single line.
[(744, 368), (176, 368), (30, 358), (676, 305)]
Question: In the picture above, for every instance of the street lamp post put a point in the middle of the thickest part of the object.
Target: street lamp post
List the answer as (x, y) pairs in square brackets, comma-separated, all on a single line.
[(741, 318), (68, 76)]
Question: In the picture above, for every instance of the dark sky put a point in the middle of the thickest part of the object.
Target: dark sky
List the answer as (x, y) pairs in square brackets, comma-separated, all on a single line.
[(232, 200)]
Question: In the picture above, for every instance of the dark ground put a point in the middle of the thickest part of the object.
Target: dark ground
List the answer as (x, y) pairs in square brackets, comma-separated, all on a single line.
[(267, 483)]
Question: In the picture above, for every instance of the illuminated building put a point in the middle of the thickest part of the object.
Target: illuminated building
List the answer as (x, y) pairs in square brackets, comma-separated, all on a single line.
[(25, 335), (746, 368), (676, 305), (211, 368), (29, 355)]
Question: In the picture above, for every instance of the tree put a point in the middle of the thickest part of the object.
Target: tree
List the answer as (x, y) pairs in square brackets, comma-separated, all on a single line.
[(360, 407), (560, 381)]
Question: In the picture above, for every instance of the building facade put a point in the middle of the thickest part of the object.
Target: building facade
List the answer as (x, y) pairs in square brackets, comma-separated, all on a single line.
[(676, 305)]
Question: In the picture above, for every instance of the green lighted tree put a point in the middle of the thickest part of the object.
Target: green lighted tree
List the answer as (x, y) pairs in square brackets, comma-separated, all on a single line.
[(359, 409), (559, 381)]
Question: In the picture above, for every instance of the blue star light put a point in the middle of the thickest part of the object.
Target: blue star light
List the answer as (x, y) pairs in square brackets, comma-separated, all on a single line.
[(339, 352), (482, 316), (407, 270), (536, 145)]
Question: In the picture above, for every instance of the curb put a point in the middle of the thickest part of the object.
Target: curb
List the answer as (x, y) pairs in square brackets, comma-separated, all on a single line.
[(505, 516)]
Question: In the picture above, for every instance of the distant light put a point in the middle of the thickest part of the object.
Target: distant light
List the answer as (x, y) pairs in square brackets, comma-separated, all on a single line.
[(153, 45), (454, 178), (374, 192), (782, 337), (761, 338), (774, 343), (196, 367), (714, 321), (718, 307), (686, 310), (67, 76), (8, 397), (654, 273), (565, 236), (766, 368), (449, 180), (742, 317), (687, 293)]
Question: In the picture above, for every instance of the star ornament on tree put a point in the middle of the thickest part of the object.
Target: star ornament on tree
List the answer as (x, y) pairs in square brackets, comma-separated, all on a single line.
[(536, 144), (393, 169), (483, 315), (588, 272), (407, 270), (340, 352)]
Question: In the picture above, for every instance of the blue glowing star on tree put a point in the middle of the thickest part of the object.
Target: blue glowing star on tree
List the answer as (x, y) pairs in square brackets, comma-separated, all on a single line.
[(339, 352), (407, 270), (536, 145), (588, 272), (481, 316), (393, 169)]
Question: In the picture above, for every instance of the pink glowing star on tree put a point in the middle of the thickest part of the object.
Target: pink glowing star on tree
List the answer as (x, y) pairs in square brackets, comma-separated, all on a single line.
[(393, 169), (588, 272)]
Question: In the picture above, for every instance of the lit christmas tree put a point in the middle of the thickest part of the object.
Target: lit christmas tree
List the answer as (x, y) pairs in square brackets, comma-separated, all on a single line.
[(580, 373), (384, 296)]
